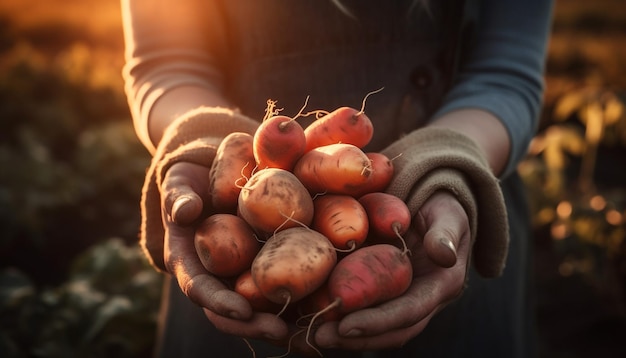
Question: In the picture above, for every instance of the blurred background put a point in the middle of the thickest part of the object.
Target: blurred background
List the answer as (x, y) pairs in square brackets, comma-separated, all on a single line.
[(73, 282)]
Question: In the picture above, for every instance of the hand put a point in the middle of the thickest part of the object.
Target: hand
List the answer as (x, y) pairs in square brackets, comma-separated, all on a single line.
[(184, 192), (440, 246)]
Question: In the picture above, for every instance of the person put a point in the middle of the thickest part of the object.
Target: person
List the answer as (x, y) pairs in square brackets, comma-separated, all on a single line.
[(462, 85)]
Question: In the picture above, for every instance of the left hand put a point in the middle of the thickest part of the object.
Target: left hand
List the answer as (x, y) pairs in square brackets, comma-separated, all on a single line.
[(440, 247), (183, 194)]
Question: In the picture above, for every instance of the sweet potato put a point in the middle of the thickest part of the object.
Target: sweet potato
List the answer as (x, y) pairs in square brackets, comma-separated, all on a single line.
[(231, 168), (343, 125), (278, 143), (245, 286), (226, 245), (274, 198), (369, 276), (389, 217), (316, 302), (366, 277), (381, 175), (335, 169), (342, 219), (292, 264)]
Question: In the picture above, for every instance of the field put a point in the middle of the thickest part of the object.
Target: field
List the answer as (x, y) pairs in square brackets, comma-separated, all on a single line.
[(73, 283)]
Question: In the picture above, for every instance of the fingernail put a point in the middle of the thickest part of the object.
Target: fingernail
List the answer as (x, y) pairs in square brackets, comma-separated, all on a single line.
[(448, 244), (182, 213), (270, 336), (355, 332), (234, 315), (180, 202)]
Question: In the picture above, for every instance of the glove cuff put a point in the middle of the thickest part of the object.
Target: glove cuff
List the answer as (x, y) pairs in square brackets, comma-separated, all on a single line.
[(431, 159), (192, 138)]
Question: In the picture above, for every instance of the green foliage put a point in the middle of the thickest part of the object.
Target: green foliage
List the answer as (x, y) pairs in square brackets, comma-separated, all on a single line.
[(72, 165), (106, 308), (72, 170)]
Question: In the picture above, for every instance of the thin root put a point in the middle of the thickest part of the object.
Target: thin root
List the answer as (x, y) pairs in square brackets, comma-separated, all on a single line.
[(365, 99), (319, 113), (288, 219), (258, 239), (406, 250), (319, 313), (319, 194), (289, 345), (367, 169), (299, 114), (282, 310), (396, 157), (350, 249), (243, 177), (299, 322), (250, 346), (271, 109)]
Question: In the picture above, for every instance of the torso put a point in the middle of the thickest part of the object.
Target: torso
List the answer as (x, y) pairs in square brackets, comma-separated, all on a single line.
[(336, 60)]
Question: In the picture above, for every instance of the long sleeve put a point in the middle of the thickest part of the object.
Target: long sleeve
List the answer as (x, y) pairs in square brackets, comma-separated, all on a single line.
[(169, 43), (503, 72), (503, 75)]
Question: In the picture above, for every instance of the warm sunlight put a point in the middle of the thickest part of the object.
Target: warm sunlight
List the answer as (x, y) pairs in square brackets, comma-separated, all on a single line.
[(100, 18), (597, 202), (84, 39), (74, 282)]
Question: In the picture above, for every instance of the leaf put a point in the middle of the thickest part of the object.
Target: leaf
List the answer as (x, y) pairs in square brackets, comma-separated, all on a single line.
[(554, 158), (15, 288), (613, 110), (569, 104), (594, 118), (571, 140), (115, 306)]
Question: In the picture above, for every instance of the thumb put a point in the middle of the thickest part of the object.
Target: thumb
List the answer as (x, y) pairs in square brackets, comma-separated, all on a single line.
[(442, 221), (184, 192)]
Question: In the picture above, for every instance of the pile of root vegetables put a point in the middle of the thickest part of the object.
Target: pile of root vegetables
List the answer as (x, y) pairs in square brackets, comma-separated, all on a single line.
[(301, 222)]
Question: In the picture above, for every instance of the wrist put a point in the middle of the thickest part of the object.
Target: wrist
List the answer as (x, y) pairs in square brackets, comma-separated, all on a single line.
[(434, 158), (167, 106), (485, 129)]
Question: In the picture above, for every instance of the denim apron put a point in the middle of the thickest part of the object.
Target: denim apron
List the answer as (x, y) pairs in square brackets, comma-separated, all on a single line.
[(291, 50)]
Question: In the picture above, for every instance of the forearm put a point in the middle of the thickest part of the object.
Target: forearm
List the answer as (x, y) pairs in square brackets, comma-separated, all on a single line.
[(485, 129), (496, 99), (173, 62), (177, 102)]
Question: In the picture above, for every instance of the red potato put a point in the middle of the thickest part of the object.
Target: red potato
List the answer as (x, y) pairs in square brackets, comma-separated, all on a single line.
[(292, 264), (389, 217), (245, 286), (316, 302), (226, 245), (278, 143), (342, 219), (366, 277), (231, 168), (369, 276), (335, 169), (382, 173), (343, 125), (275, 199)]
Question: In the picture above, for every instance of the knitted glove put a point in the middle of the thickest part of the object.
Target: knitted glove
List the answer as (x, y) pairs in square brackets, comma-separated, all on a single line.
[(431, 159), (192, 138)]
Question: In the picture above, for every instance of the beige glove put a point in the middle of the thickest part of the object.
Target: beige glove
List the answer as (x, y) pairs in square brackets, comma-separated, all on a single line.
[(192, 138), (431, 159)]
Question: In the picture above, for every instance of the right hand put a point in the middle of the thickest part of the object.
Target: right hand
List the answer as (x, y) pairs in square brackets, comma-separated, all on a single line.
[(184, 192), (439, 276)]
